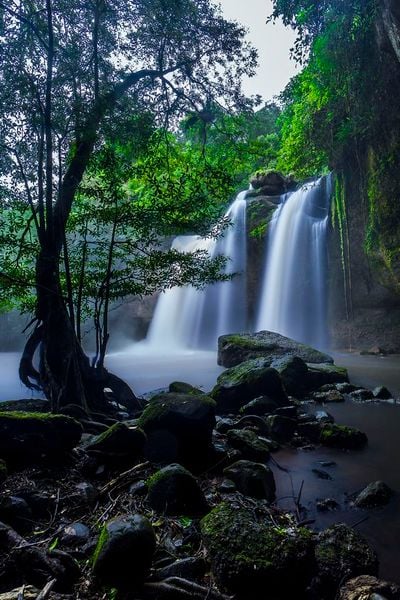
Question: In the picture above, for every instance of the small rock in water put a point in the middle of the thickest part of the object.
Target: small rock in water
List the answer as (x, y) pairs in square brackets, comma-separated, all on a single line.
[(249, 444), (323, 417), (252, 479), (382, 393), (321, 474), (327, 504), (362, 394), (326, 397), (327, 463), (375, 494), (346, 388)]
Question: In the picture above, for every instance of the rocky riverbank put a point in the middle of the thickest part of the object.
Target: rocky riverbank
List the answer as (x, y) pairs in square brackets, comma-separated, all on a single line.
[(178, 500)]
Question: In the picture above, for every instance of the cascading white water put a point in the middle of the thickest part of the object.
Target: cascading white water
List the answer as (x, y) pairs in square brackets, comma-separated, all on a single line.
[(188, 318), (293, 295)]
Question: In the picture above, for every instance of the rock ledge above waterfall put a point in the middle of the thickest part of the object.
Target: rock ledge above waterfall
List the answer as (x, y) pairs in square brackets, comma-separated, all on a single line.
[(236, 348)]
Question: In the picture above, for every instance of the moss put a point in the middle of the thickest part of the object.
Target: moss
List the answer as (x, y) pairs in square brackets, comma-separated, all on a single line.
[(108, 433), (341, 436), (103, 537), (161, 404), (23, 415)]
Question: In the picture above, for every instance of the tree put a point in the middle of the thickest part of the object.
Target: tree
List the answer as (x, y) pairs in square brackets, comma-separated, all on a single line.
[(68, 72)]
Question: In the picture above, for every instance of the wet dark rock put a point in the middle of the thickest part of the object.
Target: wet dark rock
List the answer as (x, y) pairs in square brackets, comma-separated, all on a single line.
[(324, 417), (271, 182), (179, 429), (327, 504), (75, 534), (30, 405), (249, 444), (227, 486), (327, 463), (325, 373), (41, 503), (281, 428), (346, 388), (234, 349), (180, 387), (294, 373), (310, 431), (174, 491), (362, 394), (86, 493), (224, 425), (247, 554), (322, 474), (252, 479), (119, 443), (327, 397), (340, 436), (239, 385), (375, 494), (28, 437), (191, 568), (287, 411), (259, 406), (16, 512), (341, 552), (369, 588), (124, 552), (382, 393), (139, 488)]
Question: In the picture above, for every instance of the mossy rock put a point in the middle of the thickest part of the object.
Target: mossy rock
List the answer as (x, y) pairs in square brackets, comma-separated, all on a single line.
[(294, 373), (341, 436), (236, 348), (252, 479), (250, 446), (174, 491), (124, 552), (26, 437), (118, 442), (239, 385), (341, 553), (180, 387), (179, 429), (325, 373), (259, 406), (256, 557), (281, 428)]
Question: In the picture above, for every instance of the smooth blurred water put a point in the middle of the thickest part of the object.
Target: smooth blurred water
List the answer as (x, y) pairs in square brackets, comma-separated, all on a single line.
[(293, 290)]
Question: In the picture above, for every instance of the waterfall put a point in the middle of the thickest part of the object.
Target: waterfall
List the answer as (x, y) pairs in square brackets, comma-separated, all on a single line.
[(293, 293), (189, 318)]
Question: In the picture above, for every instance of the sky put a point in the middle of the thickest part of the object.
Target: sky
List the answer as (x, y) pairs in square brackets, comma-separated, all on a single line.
[(273, 42)]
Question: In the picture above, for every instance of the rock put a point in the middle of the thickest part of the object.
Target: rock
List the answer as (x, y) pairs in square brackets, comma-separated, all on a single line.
[(310, 431), (227, 486), (224, 425), (28, 437), (294, 373), (341, 552), (323, 417), (138, 488), (259, 406), (374, 351), (124, 552), (42, 504), (252, 479), (327, 504), (75, 534), (367, 587), (362, 394), (174, 491), (271, 182), (281, 428), (16, 512), (234, 349), (180, 387), (247, 554), (86, 493), (179, 429), (3, 471), (340, 436), (382, 393), (287, 411), (322, 474), (325, 373), (249, 444), (327, 397), (375, 494), (345, 388), (30, 593), (31, 405), (118, 444), (239, 385)]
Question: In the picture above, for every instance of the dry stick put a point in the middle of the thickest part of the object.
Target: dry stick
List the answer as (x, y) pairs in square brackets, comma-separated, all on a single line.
[(45, 593), (120, 480)]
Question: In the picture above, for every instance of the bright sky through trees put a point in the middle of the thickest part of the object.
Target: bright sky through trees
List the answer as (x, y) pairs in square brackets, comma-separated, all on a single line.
[(273, 42)]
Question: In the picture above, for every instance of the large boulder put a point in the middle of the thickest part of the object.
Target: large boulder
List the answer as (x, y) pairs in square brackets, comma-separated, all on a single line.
[(27, 437), (252, 558), (236, 348), (124, 552), (119, 443), (367, 587), (271, 182), (341, 553), (239, 385), (324, 373), (174, 491), (252, 479), (179, 429), (294, 373)]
